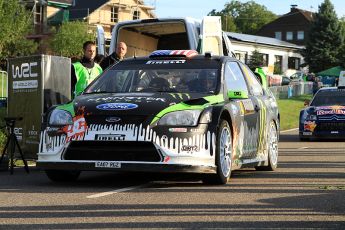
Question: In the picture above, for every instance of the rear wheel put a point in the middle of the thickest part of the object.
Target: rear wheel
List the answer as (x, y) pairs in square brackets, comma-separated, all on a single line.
[(223, 156), (62, 175), (272, 149)]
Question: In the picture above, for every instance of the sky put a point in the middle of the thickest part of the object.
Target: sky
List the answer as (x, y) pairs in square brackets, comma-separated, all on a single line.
[(199, 8)]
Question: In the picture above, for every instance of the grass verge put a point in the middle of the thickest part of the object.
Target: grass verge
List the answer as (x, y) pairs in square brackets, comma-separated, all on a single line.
[(289, 111)]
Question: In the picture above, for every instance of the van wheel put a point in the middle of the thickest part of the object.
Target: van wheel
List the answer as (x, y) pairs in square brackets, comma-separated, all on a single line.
[(62, 175), (223, 156), (272, 150)]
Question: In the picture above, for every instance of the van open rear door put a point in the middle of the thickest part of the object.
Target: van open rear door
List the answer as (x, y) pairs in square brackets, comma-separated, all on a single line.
[(100, 40), (211, 35)]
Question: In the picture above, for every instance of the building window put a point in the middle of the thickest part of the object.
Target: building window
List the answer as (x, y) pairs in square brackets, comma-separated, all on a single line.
[(278, 35), (289, 36), (114, 17), (294, 62), (241, 56), (300, 35), (278, 64), (264, 59), (136, 14)]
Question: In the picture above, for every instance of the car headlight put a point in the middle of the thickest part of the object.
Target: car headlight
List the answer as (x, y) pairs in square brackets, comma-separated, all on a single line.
[(311, 117), (60, 117), (178, 118)]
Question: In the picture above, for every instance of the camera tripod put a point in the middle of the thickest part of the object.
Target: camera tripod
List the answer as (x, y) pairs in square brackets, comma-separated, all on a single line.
[(12, 142)]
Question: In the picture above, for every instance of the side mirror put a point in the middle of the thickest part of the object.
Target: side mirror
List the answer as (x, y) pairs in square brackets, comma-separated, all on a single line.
[(306, 103), (237, 94)]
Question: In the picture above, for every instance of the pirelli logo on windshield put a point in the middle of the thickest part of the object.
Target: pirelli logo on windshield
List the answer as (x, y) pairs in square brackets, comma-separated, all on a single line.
[(162, 62)]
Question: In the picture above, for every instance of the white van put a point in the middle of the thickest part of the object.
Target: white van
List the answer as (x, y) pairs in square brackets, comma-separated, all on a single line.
[(341, 81), (145, 36)]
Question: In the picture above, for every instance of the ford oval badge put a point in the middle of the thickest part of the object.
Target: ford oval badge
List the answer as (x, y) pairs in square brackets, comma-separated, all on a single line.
[(116, 106)]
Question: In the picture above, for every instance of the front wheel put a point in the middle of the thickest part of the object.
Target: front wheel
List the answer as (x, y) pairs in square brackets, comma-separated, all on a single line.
[(272, 149), (223, 156), (62, 175)]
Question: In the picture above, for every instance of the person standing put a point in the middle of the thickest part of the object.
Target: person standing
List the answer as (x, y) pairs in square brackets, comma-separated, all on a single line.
[(83, 72), (317, 84), (115, 57)]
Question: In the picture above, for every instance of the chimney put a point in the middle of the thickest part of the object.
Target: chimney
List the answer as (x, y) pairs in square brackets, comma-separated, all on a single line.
[(293, 7)]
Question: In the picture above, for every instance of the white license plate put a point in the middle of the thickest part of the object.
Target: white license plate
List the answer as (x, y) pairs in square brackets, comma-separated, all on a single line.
[(107, 164), (307, 133)]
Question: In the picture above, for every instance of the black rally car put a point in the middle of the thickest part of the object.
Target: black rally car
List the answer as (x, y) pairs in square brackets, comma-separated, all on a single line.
[(174, 111)]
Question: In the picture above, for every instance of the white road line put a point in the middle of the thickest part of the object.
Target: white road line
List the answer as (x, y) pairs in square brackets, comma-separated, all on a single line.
[(304, 148), (289, 130), (116, 191)]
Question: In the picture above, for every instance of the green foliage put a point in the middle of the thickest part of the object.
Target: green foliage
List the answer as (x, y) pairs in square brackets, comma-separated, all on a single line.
[(69, 38), (325, 39), (289, 111), (246, 17), (15, 24), (256, 60)]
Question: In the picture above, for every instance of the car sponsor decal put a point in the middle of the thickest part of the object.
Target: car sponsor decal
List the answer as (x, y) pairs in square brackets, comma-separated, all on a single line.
[(247, 140), (309, 126), (248, 106), (330, 110), (205, 142), (180, 96), (162, 62), (117, 106), (77, 130), (128, 99), (263, 126)]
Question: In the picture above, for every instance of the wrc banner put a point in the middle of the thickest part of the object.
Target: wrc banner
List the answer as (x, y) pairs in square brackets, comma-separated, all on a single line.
[(34, 84)]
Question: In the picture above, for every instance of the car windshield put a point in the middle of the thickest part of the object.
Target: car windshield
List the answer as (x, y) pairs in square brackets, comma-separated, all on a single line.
[(156, 80), (329, 97)]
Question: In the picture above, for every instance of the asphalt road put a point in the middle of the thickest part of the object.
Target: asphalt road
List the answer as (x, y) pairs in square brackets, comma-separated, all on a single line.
[(307, 191)]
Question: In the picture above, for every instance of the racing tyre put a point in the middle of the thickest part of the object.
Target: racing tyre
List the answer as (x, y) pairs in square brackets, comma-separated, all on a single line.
[(272, 149), (223, 156), (62, 176)]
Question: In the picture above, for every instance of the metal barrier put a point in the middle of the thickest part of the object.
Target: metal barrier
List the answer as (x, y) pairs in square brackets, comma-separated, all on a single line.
[(295, 89), (3, 89)]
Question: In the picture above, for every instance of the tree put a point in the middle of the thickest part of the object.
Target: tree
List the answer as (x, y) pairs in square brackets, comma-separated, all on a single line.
[(256, 60), (15, 24), (342, 49), (69, 38), (246, 17), (325, 39)]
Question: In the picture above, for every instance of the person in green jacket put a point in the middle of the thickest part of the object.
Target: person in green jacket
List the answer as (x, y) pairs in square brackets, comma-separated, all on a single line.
[(83, 72)]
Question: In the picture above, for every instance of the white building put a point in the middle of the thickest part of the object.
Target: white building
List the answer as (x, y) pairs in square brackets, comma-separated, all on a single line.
[(279, 56)]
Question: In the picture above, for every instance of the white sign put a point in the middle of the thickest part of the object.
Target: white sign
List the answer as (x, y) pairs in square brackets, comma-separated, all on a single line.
[(24, 70), (29, 84)]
